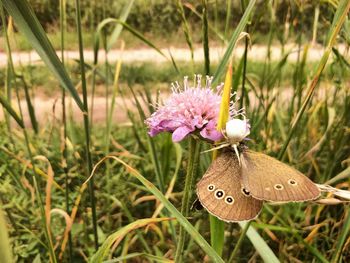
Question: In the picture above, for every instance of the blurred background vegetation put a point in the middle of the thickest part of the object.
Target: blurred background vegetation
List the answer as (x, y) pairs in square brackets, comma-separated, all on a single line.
[(272, 90), (160, 20)]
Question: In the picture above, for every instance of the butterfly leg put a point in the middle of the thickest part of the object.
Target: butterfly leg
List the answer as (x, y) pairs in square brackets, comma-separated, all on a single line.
[(217, 148), (235, 148)]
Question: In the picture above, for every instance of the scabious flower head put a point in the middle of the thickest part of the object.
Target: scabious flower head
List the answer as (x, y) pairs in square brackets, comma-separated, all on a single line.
[(188, 110)]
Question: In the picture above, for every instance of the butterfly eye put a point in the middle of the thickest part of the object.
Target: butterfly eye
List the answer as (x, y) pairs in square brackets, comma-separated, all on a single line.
[(245, 192), (229, 200), (219, 194), (292, 182), (278, 186), (211, 187)]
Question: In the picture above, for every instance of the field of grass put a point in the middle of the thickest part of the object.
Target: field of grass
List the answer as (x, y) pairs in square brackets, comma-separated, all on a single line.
[(108, 192)]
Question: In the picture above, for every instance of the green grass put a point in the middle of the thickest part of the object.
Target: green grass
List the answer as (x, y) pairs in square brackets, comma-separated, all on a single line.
[(287, 121)]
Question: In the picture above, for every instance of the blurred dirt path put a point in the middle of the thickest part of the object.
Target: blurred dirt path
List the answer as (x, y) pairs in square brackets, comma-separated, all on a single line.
[(48, 111), (257, 52)]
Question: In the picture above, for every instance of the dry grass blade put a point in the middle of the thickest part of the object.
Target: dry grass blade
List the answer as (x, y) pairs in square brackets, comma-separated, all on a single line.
[(341, 176), (318, 145), (72, 216), (138, 256), (117, 237), (69, 224), (49, 182), (337, 192), (30, 166)]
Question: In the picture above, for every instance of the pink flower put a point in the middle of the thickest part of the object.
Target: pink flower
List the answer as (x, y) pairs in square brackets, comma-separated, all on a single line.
[(188, 110)]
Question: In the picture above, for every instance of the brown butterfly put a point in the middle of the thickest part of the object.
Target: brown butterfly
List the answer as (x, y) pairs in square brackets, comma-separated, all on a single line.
[(234, 190)]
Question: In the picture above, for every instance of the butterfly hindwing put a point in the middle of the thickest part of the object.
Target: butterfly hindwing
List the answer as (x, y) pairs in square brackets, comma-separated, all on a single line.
[(220, 191), (271, 180)]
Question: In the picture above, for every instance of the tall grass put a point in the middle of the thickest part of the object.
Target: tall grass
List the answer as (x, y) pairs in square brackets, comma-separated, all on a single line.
[(132, 209)]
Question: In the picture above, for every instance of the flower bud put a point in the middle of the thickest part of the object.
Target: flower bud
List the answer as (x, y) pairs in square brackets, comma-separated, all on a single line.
[(237, 130)]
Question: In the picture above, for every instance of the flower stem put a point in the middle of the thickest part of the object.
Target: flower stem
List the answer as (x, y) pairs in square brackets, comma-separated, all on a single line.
[(192, 167)]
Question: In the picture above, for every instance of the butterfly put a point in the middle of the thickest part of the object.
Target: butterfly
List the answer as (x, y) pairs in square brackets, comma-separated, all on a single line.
[(239, 180)]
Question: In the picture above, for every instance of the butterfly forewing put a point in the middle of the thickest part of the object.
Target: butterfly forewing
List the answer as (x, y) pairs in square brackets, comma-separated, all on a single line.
[(271, 180), (220, 191)]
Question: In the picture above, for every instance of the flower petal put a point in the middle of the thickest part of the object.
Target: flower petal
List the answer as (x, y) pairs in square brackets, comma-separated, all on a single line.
[(211, 134), (180, 133), (153, 132)]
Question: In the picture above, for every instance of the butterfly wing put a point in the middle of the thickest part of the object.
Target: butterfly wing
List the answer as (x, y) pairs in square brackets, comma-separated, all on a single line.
[(271, 180), (220, 191)]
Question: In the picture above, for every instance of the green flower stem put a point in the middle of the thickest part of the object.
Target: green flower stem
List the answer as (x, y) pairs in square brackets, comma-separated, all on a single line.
[(192, 168)]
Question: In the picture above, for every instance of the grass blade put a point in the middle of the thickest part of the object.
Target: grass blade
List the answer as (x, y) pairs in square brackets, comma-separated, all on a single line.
[(235, 36), (341, 240), (260, 245), (136, 33), (30, 27), (86, 122), (185, 28), (205, 38), (11, 111), (140, 255), (118, 29), (338, 20), (191, 230), (30, 106), (5, 249), (120, 234)]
